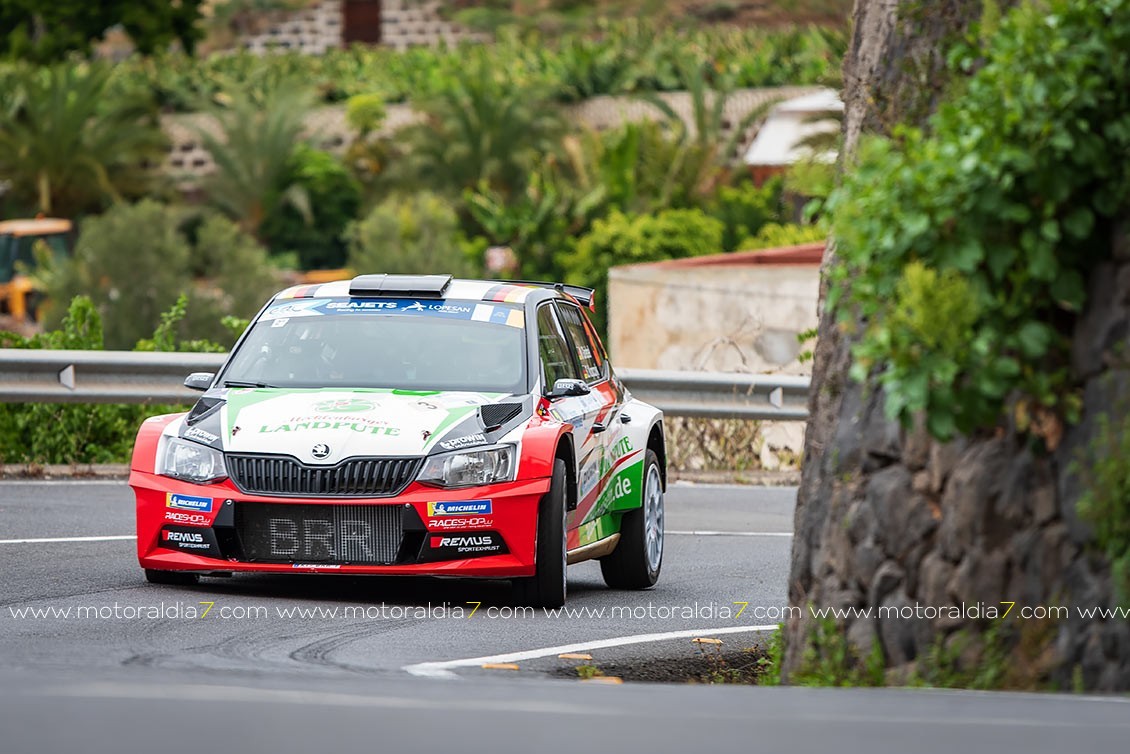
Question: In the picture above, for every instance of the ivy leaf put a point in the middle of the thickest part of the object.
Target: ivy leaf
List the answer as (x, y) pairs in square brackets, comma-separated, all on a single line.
[(968, 256), (941, 424), (1034, 339), (1079, 222), (1068, 290), (1000, 259)]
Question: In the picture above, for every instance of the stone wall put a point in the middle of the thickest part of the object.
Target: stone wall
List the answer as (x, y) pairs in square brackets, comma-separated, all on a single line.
[(902, 520), (312, 30)]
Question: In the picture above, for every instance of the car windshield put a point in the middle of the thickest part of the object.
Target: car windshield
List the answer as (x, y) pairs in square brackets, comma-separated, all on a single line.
[(408, 345)]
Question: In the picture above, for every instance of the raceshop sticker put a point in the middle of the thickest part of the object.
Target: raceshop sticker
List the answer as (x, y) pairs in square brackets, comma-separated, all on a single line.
[(464, 442), (188, 502), (463, 508), (448, 546), (475, 522), (192, 519)]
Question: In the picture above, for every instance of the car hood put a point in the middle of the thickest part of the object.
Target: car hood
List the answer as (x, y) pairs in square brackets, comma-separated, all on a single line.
[(323, 427)]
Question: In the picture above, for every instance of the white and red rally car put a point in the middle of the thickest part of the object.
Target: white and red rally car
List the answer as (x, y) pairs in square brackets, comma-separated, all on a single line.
[(396, 424)]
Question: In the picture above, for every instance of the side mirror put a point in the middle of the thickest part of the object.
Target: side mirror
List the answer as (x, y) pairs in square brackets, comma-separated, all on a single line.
[(199, 380), (567, 388)]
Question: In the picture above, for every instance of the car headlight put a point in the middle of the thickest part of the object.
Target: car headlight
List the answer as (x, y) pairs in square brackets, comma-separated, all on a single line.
[(469, 468), (192, 461)]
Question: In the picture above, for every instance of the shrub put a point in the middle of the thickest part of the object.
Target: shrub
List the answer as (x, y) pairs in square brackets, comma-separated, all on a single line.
[(746, 209), (620, 239), (418, 233), (332, 197), (775, 235), (1012, 191), (69, 433), (134, 262)]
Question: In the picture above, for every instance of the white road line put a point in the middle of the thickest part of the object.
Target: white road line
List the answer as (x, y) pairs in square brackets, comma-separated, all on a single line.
[(444, 669), (66, 539), (707, 533)]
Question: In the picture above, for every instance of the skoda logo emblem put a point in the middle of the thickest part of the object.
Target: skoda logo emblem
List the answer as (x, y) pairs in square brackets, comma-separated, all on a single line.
[(321, 450)]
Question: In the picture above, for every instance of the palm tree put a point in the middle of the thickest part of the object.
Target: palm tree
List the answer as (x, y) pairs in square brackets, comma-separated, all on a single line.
[(710, 142), (485, 127), (256, 133), (69, 143)]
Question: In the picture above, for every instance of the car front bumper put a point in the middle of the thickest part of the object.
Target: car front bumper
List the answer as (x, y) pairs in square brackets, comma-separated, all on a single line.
[(486, 532)]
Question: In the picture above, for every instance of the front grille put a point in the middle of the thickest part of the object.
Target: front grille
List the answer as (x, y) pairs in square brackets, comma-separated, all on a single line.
[(356, 477), (340, 534)]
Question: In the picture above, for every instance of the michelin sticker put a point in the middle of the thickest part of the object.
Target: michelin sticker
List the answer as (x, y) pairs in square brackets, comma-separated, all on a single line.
[(188, 502)]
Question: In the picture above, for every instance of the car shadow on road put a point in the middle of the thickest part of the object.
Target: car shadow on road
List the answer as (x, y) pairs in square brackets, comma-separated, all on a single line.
[(405, 591)]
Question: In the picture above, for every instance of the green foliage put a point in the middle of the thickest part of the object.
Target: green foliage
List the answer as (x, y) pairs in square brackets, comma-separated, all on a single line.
[(71, 433), (414, 234), (488, 127), (131, 261), (332, 198), (68, 144), (774, 658), (1011, 192), (134, 262), (253, 149), (830, 660), (942, 665), (746, 209), (47, 31), (775, 235), (535, 225), (623, 57), (620, 239), (365, 113), (1105, 502)]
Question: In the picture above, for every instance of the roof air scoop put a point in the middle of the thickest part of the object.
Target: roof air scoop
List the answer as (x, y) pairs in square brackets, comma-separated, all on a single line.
[(399, 286)]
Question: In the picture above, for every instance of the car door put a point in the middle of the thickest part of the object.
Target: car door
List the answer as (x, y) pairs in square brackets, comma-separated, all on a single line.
[(603, 404), (559, 361)]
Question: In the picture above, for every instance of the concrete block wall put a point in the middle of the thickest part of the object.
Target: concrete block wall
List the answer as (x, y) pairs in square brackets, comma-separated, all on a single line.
[(405, 23), (312, 30)]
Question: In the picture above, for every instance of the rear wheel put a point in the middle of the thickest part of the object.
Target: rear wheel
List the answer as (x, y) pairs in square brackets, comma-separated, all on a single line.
[(179, 578), (636, 561), (546, 588)]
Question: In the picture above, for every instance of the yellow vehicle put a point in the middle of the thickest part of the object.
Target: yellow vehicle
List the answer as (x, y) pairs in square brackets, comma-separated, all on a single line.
[(17, 243)]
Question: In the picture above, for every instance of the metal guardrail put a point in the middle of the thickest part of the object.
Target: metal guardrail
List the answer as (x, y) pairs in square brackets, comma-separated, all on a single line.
[(38, 376)]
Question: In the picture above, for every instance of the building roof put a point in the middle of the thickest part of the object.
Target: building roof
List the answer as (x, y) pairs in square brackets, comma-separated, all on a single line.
[(778, 142)]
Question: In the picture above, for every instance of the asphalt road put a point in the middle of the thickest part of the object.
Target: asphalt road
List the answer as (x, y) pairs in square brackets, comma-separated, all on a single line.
[(301, 663)]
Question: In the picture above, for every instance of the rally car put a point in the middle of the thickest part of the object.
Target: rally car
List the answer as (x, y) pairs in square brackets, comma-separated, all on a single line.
[(402, 424)]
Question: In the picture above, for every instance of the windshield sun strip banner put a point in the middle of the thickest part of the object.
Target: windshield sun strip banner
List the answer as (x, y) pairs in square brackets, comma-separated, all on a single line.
[(279, 313)]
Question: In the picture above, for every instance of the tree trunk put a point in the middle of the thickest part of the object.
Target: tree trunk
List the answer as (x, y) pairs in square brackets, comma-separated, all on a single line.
[(894, 73)]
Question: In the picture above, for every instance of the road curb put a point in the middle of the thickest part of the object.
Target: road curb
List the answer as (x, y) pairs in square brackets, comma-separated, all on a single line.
[(757, 477), (17, 471)]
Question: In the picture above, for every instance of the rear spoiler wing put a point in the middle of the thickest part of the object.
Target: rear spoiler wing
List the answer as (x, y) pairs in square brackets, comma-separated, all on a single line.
[(585, 296)]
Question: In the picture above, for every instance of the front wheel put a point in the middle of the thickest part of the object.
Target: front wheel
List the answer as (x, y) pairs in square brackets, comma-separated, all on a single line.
[(636, 561), (546, 588)]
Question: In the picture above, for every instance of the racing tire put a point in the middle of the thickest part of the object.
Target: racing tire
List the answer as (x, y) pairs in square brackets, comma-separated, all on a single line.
[(176, 578), (638, 557), (546, 588)]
